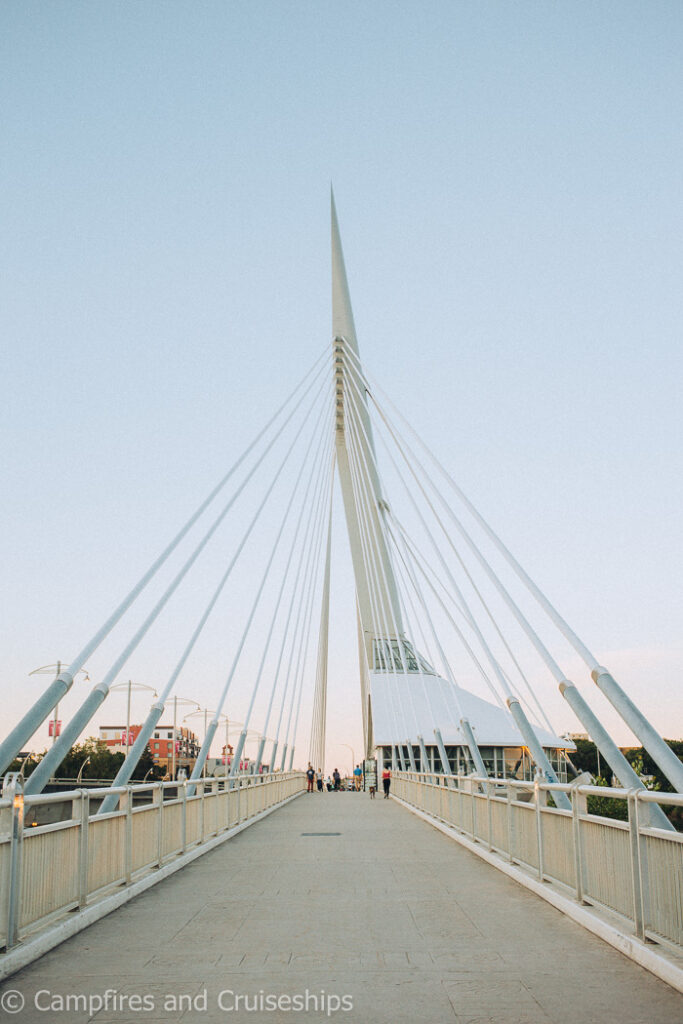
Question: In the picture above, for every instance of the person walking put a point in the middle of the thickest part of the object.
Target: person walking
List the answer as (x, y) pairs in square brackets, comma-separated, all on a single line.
[(310, 776), (357, 776), (386, 782), (319, 780), (337, 779)]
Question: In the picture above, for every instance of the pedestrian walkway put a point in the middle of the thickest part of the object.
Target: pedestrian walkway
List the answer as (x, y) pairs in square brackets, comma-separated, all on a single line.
[(341, 895)]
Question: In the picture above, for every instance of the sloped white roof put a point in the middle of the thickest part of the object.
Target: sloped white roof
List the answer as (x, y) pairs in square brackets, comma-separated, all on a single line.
[(404, 705)]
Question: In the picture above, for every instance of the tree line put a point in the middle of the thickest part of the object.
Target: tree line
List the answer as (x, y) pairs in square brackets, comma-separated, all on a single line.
[(97, 760), (586, 758)]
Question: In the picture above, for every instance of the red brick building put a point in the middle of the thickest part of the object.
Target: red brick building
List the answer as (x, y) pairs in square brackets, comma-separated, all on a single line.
[(160, 745)]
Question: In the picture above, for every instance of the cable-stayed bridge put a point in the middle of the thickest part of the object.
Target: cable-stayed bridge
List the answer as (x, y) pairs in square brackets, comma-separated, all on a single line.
[(450, 631)]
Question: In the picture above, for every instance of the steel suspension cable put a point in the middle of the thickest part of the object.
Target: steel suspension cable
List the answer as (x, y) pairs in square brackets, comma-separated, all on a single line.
[(128, 767), (308, 504), (323, 547), (203, 753), (55, 755), (513, 703), (464, 721), (297, 600), (36, 715), (371, 526), (305, 626), (255, 688)]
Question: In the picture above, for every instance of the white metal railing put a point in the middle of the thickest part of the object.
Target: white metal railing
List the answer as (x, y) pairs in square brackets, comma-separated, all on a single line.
[(628, 867), (50, 870)]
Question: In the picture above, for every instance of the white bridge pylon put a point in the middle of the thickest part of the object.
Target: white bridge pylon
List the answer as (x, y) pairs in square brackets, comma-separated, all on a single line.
[(437, 594), (406, 704), (412, 712)]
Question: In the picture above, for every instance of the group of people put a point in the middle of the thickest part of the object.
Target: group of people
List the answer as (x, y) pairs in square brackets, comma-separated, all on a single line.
[(314, 779)]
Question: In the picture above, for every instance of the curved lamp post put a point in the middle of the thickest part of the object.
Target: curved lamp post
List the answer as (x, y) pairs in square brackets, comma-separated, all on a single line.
[(31, 753), (79, 777), (175, 701), (205, 712), (130, 687)]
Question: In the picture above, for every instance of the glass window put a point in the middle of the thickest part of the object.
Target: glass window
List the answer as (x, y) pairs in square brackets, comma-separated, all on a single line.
[(411, 660)]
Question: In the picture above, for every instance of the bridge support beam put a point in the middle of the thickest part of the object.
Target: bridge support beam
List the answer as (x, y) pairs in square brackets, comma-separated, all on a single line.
[(614, 757), (259, 756), (424, 757), (55, 755), (474, 749), (33, 719), (111, 802), (659, 751), (445, 763), (234, 767), (536, 750), (411, 755), (203, 754)]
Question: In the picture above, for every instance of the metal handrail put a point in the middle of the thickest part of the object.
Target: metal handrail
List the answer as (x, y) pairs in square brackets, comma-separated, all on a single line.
[(625, 866)]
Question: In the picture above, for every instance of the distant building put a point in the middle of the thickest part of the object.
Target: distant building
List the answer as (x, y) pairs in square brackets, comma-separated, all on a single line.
[(160, 745)]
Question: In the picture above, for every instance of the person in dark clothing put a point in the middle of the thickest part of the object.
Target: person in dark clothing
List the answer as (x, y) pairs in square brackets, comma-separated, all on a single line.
[(310, 776), (337, 780), (386, 782)]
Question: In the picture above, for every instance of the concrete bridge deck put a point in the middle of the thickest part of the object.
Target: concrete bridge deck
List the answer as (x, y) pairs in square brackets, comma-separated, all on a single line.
[(389, 913)]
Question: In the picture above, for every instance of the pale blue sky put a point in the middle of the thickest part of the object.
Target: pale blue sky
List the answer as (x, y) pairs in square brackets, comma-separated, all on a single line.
[(508, 179)]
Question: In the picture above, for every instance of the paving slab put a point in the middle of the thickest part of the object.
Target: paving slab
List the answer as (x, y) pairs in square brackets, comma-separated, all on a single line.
[(388, 922)]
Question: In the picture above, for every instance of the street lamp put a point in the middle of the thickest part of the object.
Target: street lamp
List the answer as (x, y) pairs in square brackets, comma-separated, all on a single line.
[(80, 770), (55, 670), (227, 721), (175, 701), (129, 687), (206, 712), (21, 769)]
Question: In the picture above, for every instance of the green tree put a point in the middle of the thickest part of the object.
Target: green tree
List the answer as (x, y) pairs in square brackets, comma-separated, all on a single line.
[(585, 757), (103, 763), (607, 806), (649, 767)]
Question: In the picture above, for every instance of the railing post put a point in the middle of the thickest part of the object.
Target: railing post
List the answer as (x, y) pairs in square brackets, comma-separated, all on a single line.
[(475, 823), (201, 813), (539, 825), (13, 790), (83, 850), (160, 823), (487, 787), (578, 850), (508, 790), (636, 875), (129, 834), (183, 824)]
